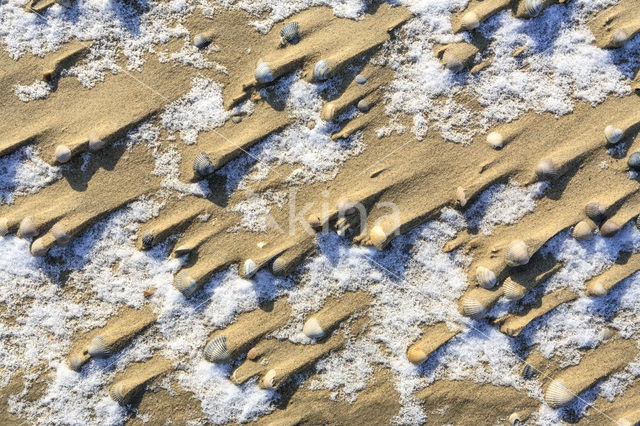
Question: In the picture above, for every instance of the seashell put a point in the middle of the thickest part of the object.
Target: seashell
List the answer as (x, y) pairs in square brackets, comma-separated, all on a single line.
[(249, 268), (495, 140), (461, 196), (557, 394), (515, 420), (202, 165), (363, 106), (76, 362), (122, 392), (182, 250), (328, 111), (596, 289), (634, 161), (613, 134), (485, 276), (268, 379), (378, 237), (528, 371), (253, 354), (147, 240), (290, 33), (63, 154), (278, 267), (452, 61), (263, 73), (236, 119), (512, 290), (625, 422), (95, 143), (314, 221), (312, 329), (533, 7), (595, 211), (605, 333), (416, 355), (582, 231), (201, 41), (609, 229), (4, 227), (27, 228), (619, 38), (471, 307), (98, 349), (517, 254), (361, 79), (39, 248), (60, 234), (184, 283), (321, 70), (216, 350), (546, 169), (470, 21)]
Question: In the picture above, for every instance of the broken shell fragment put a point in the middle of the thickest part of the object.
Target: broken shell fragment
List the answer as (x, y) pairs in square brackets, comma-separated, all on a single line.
[(39, 248), (485, 276), (461, 196), (321, 70), (452, 61), (63, 154), (378, 237), (517, 254), (216, 350), (609, 229), (613, 134), (312, 329)]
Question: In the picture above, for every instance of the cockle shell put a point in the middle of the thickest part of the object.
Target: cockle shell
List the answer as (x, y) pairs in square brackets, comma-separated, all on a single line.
[(378, 237), (290, 33), (558, 394), (613, 134), (452, 61), (619, 38), (63, 154), (278, 267), (360, 79), (470, 21), (527, 371), (471, 307), (517, 254), (98, 349), (582, 231), (485, 276), (321, 70), (363, 105), (249, 268), (312, 329), (533, 7), (27, 228), (201, 41), (268, 379), (495, 140), (76, 362), (461, 196), (595, 211), (253, 354), (609, 229), (512, 290), (416, 355), (202, 165), (60, 234), (596, 289), (39, 248), (314, 221), (4, 227), (634, 161), (546, 169), (184, 283), (328, 111), (147, 240), (263, 73), (123, 391), (95, 143), (216, 350)]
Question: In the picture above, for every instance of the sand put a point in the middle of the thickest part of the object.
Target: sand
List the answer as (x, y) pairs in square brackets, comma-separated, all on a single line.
[(154, 123)]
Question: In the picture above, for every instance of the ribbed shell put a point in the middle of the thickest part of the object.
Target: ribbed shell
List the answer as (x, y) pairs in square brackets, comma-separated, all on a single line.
[(202, 165), (452, 61), (63, 154), (613, 134), (147, 239), (76, 362), (512, 290), (485, 276), (495, 140), (471, 307), (619, 38), (546, 169), (378, 237), (312, 328), (595, 211), (201, 41), (609, 229), (4, 227), (39, 248), (278, 267), (216, 350), (582, 231), (290, 33), (328, 111), (268, 379), (321, 70), (558, 394), (533, 7), (634, 161), (517, 254), (249, 268), (263, 73), (122, 393), (184, 283), (527, 371), (98, 349), (470, 21), (60, 234), (27, 228)]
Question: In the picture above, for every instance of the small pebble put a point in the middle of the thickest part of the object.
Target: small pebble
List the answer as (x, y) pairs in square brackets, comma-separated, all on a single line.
[(360, 79), (634, 161), (363, 106)]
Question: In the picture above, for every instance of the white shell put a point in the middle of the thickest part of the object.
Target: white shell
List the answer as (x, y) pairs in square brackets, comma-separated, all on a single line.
[(513, 291), (545, 168), (268, 379), (619, 38), (120, 393), (597, 289), (4, 227), (95, 143), (201, 41), (98, 349), (321, 70), (452, 61), (216, 350), (377, 236), (147, 239), (485, 276), (595, 211), (249, 268), (471, 307), (517, 254), (202, 165), (360, 79), (461, 196), (533, 7), (278, 267), (60, 234), (27, 228), (557, 394), (609, 229), (613, 134), (290, 33), (582, 231), (76, 362), (63, 154), (39, 248), (470, 21), (263, 73), (495, 140), (185, 283), (312, 328), (328, 111)]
